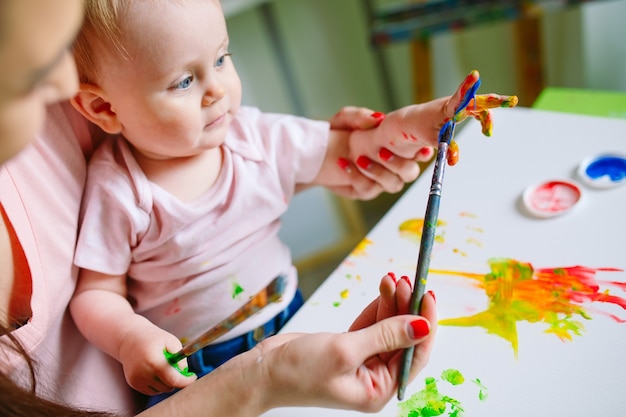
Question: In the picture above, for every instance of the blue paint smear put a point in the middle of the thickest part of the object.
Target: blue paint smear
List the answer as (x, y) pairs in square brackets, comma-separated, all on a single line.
[(468, 97), (610, 166), (445, 134)]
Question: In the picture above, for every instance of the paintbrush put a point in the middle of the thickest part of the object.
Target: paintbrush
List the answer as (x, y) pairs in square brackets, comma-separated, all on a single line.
[(270, 294), (428, 230), (426, 244)]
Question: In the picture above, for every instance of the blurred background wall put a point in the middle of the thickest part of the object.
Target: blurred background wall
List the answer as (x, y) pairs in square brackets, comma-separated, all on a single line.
[(311, 57)]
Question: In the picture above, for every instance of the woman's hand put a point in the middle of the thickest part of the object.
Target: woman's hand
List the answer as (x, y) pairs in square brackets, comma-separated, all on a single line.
[(338, 173), (356, 370)]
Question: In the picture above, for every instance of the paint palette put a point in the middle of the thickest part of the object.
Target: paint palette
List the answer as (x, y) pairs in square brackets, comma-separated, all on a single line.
[(551, 198), (604, 170)]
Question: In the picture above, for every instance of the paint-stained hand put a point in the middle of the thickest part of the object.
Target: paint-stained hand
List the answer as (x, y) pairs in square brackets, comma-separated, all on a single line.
[(387, 154), (370, 152), (476, 106), (144, 363), (355, 370)]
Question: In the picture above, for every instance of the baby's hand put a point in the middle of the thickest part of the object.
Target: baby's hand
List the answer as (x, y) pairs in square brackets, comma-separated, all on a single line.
[(388, 152), (145, 366)]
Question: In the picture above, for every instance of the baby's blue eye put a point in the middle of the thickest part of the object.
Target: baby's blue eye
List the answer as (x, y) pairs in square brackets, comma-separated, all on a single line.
[(184, 84), (221, 60)]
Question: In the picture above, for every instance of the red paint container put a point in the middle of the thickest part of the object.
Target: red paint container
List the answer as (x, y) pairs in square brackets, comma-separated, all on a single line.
[(552, 198)]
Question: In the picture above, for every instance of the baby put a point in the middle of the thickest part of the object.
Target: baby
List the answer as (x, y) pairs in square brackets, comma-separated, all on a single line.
[(183, 201)]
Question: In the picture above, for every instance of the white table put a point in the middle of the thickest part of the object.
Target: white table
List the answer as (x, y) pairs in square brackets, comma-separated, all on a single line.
[(481, 208)]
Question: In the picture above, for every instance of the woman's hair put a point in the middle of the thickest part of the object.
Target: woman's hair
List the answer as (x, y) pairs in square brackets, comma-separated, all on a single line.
[(102, 21), (19, 401)]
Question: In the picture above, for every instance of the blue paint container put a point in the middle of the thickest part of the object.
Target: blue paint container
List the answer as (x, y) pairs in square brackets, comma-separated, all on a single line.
[(604, 170)]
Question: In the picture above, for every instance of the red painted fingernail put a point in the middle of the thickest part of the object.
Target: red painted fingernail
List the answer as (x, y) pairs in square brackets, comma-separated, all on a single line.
[(378, 115), (432, 294), (385, 154), (405, 278), (393, 276), (344, 164), (364, 162), (419, 329)]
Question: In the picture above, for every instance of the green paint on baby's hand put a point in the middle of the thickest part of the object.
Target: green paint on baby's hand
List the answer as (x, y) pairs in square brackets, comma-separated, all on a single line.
[(184, 372)]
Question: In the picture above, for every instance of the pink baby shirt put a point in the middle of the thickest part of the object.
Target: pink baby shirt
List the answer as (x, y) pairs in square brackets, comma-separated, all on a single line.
[(190, 265)]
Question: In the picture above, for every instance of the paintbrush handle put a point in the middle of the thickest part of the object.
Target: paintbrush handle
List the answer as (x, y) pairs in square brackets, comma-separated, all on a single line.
[(430, 225), (268, 295), (426, 246)]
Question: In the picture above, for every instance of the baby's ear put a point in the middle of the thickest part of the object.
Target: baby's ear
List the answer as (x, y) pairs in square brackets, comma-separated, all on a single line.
[(90, 101)]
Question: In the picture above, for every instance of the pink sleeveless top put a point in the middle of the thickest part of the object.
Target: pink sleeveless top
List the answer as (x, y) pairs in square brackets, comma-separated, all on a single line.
[(40, 190)]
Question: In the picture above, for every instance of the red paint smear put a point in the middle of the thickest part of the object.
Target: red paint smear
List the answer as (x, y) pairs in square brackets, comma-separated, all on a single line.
[(554, 297), (621, 285), (173, 307), (468, 83)]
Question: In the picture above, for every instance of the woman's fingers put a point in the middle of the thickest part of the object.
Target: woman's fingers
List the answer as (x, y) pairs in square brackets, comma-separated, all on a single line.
[(356, 118), (422, 351)]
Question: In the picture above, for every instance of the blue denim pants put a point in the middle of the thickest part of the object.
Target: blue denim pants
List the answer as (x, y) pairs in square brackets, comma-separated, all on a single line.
[(206, 360)]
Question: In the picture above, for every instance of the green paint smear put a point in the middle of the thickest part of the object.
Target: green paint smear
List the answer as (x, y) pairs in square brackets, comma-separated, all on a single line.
[(482, 390), (430, 402), (237, 289), (184, 372), (453, 376)]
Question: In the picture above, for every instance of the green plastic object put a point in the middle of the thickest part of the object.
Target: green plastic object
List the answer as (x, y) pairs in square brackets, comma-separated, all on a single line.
[(581, 101)]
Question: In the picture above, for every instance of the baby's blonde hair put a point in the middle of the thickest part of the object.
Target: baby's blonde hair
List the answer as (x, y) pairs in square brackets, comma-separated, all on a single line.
[(102, 22)]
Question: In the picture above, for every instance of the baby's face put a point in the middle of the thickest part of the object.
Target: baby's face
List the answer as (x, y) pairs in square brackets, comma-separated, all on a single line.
[(178, 92)]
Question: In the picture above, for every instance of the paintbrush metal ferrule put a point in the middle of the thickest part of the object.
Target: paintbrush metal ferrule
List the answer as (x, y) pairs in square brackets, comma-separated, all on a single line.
[(440, 164), (272, 293)]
